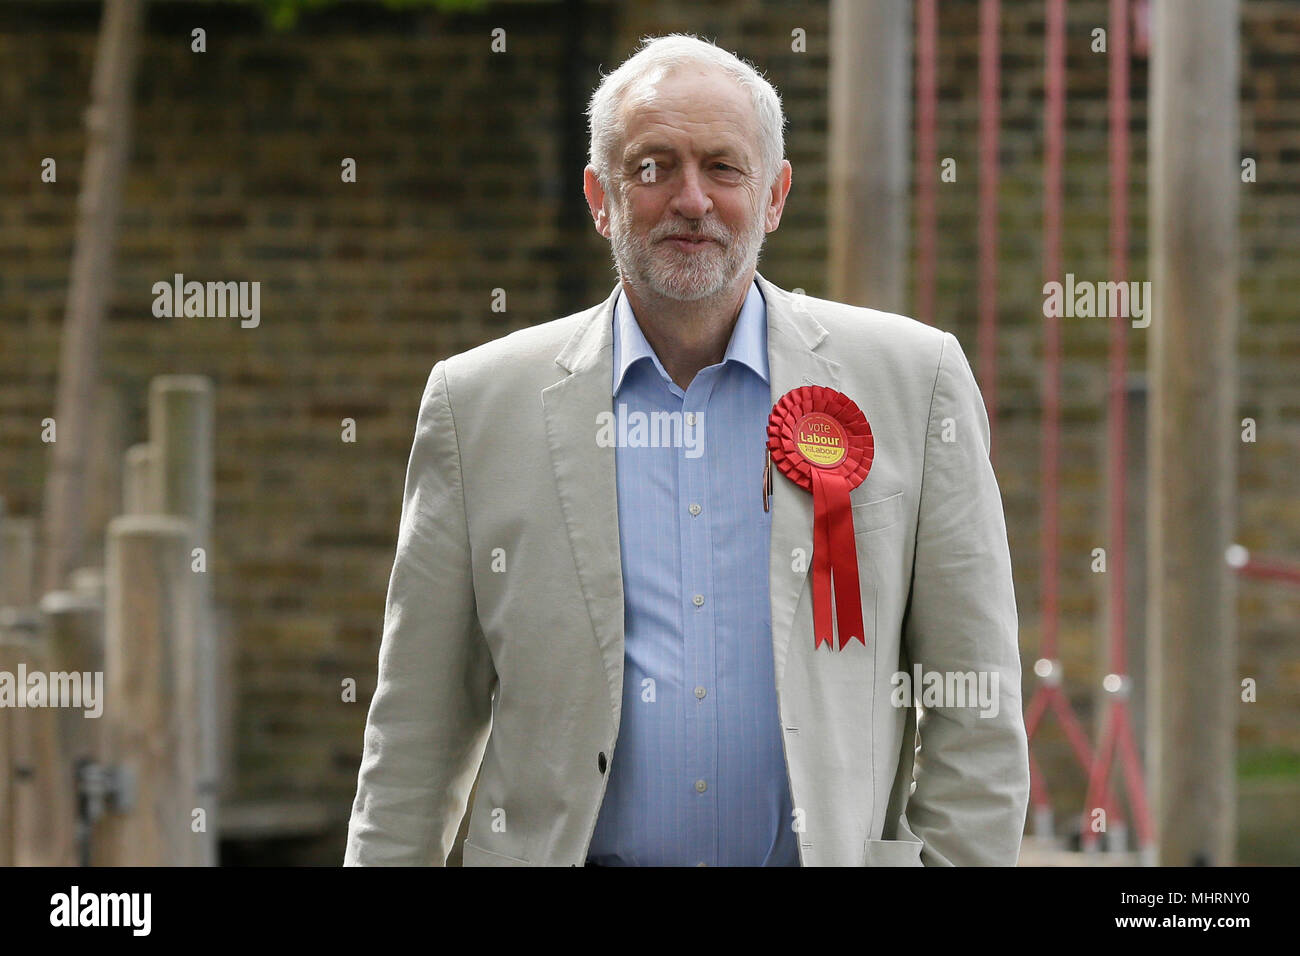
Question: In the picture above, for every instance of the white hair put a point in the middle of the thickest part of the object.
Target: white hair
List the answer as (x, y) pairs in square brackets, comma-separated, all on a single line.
[(663, 54)]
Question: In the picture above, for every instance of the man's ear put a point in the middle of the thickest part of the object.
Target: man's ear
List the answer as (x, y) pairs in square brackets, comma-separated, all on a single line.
[(596, 200), (776, 198)]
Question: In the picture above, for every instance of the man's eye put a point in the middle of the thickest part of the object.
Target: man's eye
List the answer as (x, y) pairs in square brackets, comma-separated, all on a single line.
[(724, 166)]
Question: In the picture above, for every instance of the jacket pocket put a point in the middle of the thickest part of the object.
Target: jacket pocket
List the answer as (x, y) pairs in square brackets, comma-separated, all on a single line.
[(477, 856), (892, 853), (877, 515)]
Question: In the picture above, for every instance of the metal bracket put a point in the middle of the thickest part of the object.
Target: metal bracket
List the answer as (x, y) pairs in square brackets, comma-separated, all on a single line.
[(101, 788)]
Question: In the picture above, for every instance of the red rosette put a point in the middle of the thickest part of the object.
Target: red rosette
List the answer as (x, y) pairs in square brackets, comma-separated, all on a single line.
[(819, 439)]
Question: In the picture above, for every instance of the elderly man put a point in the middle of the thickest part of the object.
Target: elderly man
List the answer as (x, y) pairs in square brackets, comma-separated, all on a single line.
[(674, 573)]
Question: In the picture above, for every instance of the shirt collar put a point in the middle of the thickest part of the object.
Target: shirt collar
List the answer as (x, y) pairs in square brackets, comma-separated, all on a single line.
[(748, 343)]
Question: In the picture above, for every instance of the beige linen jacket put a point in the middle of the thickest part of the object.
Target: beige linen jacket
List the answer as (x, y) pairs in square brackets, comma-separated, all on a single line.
[(502, 643)]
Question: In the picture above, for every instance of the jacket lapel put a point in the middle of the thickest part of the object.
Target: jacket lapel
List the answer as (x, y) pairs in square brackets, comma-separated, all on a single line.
[(793, 336), (585, 476)]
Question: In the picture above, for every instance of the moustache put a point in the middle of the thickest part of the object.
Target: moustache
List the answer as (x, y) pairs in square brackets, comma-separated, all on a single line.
[(722, 240)]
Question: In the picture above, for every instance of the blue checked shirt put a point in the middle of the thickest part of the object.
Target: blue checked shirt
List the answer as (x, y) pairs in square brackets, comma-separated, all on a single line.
[(699, 774)]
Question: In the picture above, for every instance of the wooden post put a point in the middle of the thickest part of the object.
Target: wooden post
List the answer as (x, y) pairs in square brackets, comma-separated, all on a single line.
[(75, 624), (6, 770), (149, 660), (1194, 176), (45, 805), (180, 430), (103, 492), (37, 803), (140, 495), (227, 698), (40, 791), (181, 433), (88, 590), (7, 653), (870, 151), (17, 562)]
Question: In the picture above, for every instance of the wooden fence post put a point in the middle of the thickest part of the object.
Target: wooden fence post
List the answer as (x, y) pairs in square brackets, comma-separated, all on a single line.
[(149, 658), (37, 796), (41, 791), (17, 562), (140, 495), (6, 787), (75, 624), (181, 435), (6, 763)]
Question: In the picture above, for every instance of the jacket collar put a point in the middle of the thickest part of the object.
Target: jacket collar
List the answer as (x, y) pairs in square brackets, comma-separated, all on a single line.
[(788, 317), (585, 479)]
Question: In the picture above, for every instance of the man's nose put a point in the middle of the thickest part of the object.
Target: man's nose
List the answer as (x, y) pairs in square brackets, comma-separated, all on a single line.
[(691, 201)]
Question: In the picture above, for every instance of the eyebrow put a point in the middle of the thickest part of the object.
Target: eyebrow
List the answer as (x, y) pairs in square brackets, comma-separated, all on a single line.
[(642, 150)]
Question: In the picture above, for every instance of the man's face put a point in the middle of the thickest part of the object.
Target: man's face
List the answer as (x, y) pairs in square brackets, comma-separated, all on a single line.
[(689, 166)]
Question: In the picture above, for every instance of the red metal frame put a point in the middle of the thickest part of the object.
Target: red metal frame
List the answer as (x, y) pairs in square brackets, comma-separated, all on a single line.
[(1117, 740), (986, 342), (1270, 569), (927, 28), (1049, 693), (1117, 727)]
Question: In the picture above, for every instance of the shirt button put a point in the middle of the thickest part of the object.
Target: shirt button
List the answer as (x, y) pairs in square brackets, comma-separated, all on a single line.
[(690, 418), (695, 509), (698, 600), (699, 692), (701, 786)]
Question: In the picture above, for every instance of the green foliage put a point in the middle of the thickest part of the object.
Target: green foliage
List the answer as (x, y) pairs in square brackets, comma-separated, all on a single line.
[(284, 14), (1268, 763)]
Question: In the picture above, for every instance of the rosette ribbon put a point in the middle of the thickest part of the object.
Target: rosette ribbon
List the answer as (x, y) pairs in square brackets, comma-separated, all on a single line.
[(819, 439)]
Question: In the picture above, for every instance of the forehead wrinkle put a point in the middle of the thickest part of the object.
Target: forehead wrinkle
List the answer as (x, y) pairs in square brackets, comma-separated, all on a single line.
[(647, 105), (643, 148)]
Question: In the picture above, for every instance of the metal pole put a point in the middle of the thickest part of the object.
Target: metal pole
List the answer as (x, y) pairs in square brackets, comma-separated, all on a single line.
[(927, 29), (986, 345)]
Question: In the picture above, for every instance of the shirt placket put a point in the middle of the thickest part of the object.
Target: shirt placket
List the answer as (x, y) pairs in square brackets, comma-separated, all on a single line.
[(697, 588)]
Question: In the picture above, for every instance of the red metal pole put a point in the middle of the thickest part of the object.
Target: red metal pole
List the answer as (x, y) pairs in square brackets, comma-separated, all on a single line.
[(990, 70), (1051, 424), (1115, 420), (926, 162), (1269, 569), (1118, 731), (1049, 692)]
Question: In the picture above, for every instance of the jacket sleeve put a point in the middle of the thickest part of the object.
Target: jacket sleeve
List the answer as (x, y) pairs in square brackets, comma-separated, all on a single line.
[(430, 714), (971, 771)]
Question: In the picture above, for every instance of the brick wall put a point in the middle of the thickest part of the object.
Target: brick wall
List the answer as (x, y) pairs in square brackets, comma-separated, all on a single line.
[(469, 180)]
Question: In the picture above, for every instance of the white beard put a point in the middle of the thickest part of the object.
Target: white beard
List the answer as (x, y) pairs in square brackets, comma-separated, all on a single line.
[(668, 272)]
